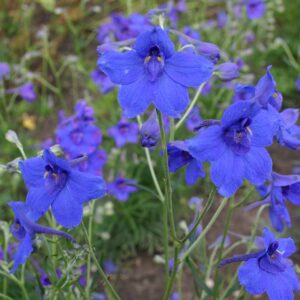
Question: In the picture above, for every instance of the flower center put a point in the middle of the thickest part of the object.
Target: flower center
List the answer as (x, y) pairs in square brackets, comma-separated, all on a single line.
[(55, 178), (154, 63)]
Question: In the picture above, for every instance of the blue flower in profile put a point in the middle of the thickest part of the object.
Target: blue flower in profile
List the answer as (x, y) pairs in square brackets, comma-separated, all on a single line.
[(281, 189), (180, 156), (269, 270), (102, 81), (255, 9), (24, 228), (52, 182), (235, 147), (124, 132), (227, 71), (153, 72), (121, 188), (25, 91)]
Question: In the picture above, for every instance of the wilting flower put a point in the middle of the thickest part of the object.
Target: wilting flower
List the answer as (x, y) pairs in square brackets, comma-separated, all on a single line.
[(243, 92), (269, 270), (235, 147), (180, 156), (281, 189), (194, 119), (121, 188), (227, 71), (26, 91), (255, 9), (24, 229), (52, 182), (102, 81), (4, 70), (124, 132), (154, 72)]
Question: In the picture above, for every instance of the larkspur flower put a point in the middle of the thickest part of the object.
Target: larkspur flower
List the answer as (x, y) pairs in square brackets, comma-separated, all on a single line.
[(121, 188), (26, 91), (102, 81), (227, 71), (153, 72), (281, 189), (269, 270), (255, 9), (124, 132), (110, 267), (43, 276), (52, 182), (222, 19), (24, 229), (194, 119), (4, 70), (180, 156), (243, 92), (235, 147)]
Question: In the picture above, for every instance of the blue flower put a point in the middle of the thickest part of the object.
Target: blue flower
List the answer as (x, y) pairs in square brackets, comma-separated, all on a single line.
[(121, 188), (180, 156), (77, 134), (52, 182), (154, 72), (24, 229), (236, 147), (194, 119), (281, 188), (269, 270), (297, 84), (26, 91), (255, 9), (102, 81), (4, 70), (243, 92), (124, 132), (227, 71), (110, 267), (222, 19), (150, 133)]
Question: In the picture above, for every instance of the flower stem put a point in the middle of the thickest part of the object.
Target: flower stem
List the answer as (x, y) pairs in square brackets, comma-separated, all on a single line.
[(193, 102), (168, 188), (111, 289)]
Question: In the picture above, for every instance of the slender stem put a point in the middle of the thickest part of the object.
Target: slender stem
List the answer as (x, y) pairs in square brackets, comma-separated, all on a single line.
[(245, 198), (192, 104), (166, 241), (204, 232), (100, 270), (172, 129), (173, 275), (151, 169), (168, 188), (203, 213)]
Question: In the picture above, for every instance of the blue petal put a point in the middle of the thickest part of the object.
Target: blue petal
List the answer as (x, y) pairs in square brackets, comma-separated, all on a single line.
[(269, 237), (66, 209), (188, 69), (251, 277), (33, 170), (154, 37), (258, 165), (136, 97), (284, 180), (289, 116), (171, 98), (178, 155), (278, 215), (286, 246), (39, 200), (52, 159), (261, 129), (121, 68), (23, 252), (227, 173), (293, 194), (193, 172), (208, 144), (85, 187)]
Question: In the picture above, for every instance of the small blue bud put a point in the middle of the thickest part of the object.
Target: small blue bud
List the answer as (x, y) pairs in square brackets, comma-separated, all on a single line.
[(227, 71)]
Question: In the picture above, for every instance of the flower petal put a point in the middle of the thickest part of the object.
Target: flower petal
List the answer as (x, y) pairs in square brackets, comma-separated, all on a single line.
[(258, 165), (121, 67), (33, 170), (193, 172), (171, 98), (293, 194), (136, 97), (188, 68)]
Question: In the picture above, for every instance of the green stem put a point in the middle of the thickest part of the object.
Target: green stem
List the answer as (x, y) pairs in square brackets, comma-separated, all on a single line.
[(192, 104), (168, 188), (99, 268), (166, 240), (204, 232)]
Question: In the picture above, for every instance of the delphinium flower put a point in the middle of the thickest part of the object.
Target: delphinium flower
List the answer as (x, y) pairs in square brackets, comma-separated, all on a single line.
[(255, 9), (194, 119), (4, 70), (297, 84), (235, 147), (102, 81), (280, 189), (153, 72), (175, 296), (25, 91), (53, 182), (121, 188), (124, 132), (243, 92), (25, 228), (222, 19), (227, 71), (110, 267), (149, 131), (43, 276), (269, 270), (180, 156)]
